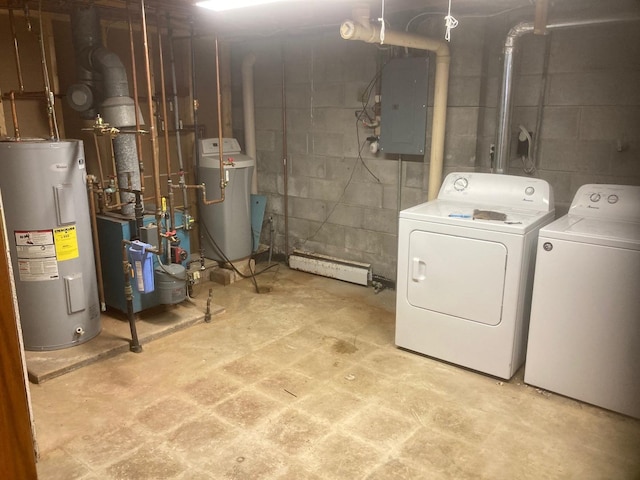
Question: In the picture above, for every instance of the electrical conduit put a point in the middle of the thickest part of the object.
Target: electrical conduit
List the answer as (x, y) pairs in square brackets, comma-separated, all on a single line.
[(248, 110)]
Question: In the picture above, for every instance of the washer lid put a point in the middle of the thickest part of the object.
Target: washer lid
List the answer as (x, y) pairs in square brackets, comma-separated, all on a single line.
[(518, 221), (597, 231)]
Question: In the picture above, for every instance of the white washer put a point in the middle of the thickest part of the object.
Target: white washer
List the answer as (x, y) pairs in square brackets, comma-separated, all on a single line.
[(464, 285), (584, 339)]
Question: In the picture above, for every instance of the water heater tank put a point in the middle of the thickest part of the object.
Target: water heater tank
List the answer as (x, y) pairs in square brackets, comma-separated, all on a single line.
[(42, 184)]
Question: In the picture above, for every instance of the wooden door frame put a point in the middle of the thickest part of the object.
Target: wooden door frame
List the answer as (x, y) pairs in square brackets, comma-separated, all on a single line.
[(17, 447)]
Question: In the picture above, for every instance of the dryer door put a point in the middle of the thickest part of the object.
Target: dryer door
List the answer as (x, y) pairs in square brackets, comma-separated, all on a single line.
[(458, 276)]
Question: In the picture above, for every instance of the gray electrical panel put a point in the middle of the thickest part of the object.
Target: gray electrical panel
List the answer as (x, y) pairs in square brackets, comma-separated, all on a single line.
[(403, 114)]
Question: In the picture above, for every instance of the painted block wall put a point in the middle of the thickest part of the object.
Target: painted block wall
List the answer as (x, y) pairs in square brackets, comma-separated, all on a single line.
[(591, 111), (337, 208)]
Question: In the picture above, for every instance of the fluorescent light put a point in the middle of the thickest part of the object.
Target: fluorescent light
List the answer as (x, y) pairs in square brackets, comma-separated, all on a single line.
[(221, 5)]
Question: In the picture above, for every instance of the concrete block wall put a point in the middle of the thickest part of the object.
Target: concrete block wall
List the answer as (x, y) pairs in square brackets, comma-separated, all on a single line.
[(338, 204), (337, 207), (591, 112)]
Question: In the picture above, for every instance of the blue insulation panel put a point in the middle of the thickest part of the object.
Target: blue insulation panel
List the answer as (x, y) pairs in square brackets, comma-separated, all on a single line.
[(258, 205)]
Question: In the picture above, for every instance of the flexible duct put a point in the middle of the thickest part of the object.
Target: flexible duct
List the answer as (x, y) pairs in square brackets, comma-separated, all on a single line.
[(362, 30), (104, 90), (248, 110), (505, 105)]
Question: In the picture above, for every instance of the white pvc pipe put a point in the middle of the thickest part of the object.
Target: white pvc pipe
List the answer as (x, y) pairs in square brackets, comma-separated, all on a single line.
[(351, 30), (248, 110)]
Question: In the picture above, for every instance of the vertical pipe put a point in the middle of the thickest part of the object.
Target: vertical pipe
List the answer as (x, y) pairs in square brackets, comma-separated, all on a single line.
[(128, 294), (136, 101), (248, 113), (285, 153), (14, 114), (163, 93), (16, 49), (196, 150), (96, 242), (99, 158), (220, 142), (152, 129), (186, 218), (51, 111), (504, 106)]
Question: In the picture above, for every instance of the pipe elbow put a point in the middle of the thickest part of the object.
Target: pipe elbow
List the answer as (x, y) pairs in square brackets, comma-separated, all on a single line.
[(350, 30), (516, 32)]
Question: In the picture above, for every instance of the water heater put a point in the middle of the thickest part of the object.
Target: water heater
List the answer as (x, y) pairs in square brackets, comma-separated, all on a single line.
[(47, 215)]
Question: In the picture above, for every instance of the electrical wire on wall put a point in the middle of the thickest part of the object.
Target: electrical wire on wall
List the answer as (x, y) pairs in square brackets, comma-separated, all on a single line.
[(362, 117)]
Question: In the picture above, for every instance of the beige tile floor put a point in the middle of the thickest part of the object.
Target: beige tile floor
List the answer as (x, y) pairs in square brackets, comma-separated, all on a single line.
[(305, 382)]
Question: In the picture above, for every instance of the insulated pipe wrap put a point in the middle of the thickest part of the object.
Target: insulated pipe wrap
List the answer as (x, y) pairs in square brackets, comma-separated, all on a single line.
[(104, 74)]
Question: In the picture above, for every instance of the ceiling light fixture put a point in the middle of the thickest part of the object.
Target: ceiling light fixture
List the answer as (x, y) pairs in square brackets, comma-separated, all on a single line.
[(222, 5)]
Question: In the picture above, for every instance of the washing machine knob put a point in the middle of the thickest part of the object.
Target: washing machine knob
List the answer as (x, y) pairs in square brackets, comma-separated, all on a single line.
[(460, 183), (595, 197), (612, 199)]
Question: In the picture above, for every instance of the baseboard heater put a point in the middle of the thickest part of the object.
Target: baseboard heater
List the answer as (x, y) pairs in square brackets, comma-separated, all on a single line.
[(354, 272)]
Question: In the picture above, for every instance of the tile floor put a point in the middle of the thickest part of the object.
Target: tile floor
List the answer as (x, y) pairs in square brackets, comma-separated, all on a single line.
[(304, 382)]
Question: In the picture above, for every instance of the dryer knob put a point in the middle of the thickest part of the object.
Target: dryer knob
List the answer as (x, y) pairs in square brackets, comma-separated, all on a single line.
[(529, 191), (460, 183), (595, 197)]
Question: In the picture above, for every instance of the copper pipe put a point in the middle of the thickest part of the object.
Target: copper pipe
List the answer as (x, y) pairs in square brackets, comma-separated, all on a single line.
[(223, 184), (163, 93), (99, 158), (37, 95), (16, 49), (114, 170), (152, 128), (136, 102), (51, 111), (96, 242), (14, 114)]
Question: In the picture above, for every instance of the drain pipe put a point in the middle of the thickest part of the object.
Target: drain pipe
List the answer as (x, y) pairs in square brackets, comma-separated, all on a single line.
[(248, 110), (506, 95), (360, 29)]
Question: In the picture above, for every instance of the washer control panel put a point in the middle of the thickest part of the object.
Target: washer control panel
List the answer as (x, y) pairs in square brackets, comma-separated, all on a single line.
[(493, 189), (607, 201)]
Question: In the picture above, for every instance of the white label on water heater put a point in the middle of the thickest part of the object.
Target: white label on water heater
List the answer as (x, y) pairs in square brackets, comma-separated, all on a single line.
[(36, 254)]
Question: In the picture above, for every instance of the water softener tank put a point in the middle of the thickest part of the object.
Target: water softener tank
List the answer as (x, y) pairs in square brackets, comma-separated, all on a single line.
[(42, 184), (227, 225)]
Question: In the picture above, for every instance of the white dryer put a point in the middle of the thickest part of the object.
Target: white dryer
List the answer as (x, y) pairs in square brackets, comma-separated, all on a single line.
[(584, 338), (464, 281)]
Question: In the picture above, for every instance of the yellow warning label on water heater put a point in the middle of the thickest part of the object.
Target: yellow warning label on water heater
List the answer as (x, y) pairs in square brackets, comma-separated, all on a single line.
[(66, 240)]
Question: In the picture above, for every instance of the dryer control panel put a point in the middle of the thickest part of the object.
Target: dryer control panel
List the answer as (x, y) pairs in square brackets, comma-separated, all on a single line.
[(607, 201), (506, 190)]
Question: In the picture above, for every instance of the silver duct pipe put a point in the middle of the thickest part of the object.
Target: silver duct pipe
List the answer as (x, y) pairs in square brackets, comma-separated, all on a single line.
[(103, 89), (506, 95)]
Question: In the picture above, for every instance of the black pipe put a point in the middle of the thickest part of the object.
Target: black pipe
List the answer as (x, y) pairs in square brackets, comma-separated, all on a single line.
[(128, 293)]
